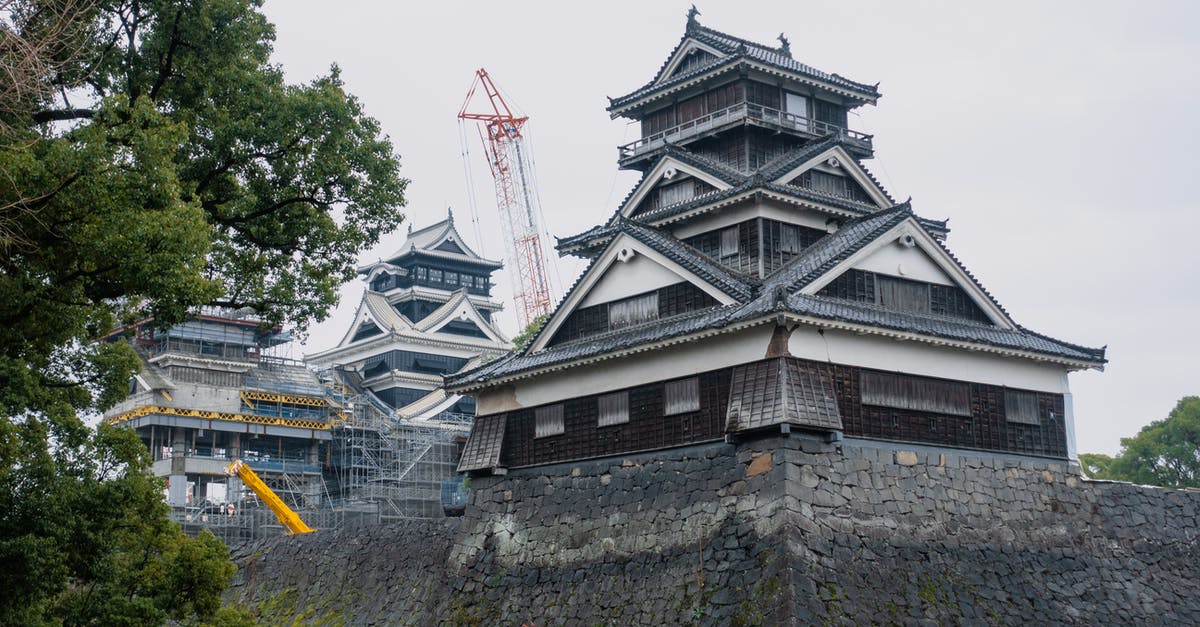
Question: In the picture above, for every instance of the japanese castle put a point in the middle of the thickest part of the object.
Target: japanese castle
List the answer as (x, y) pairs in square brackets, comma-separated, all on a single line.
[(757, 280), (427, 312)]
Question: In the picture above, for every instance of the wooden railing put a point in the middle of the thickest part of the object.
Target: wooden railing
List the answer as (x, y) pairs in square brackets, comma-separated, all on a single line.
[(737, 113)]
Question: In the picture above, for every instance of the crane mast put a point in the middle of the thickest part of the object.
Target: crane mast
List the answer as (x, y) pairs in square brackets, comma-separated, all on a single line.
[(512, 170)]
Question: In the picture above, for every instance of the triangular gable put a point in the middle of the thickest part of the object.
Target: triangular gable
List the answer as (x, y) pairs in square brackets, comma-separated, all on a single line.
[(442, 236), (460, 308), (836, 159), (449, 246), (620, 264), (679, 61), (922, 259), (374, 309), (667, 169)]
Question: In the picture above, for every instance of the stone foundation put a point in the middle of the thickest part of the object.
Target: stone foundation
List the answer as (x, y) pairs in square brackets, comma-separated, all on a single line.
[(774, 531)]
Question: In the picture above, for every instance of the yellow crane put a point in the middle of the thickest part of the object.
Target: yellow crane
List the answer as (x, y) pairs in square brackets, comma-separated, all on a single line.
[(289, 518)]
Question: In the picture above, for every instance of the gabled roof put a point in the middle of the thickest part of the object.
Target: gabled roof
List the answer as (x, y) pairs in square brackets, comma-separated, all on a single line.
[(426, 241), (459, 307), (784, 293), (733, 52), (741, 184), (434, 402), (728, 286)]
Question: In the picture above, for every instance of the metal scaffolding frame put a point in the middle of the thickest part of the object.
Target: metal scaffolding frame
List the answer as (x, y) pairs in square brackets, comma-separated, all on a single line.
[(400, 465)]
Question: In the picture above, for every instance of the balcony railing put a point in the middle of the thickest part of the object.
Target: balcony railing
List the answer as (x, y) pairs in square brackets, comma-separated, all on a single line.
[(729, 116)]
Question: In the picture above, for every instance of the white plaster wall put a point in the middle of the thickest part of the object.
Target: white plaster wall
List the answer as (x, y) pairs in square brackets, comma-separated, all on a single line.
[(206, 397), (624, 279), (910, 263), (886, 354), (727, 217), (680, 360)]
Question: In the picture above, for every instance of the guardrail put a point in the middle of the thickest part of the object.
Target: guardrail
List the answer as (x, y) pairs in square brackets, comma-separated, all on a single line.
[(735, 114)]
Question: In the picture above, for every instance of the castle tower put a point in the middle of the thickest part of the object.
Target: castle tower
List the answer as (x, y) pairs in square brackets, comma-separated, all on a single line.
[(427, 312), (757, 280)]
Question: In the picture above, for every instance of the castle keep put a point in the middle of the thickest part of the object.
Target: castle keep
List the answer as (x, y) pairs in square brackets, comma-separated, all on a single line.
[(758, 279), (773, 398)]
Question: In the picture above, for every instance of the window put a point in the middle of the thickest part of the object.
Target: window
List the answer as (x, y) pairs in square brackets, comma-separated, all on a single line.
[(422, 274), (729, 242), (680, 397), (950, 398), (613, 409), (435, 275), (903, 295), (548, 421), (789, 239), (1021, 407), (452, 278), (631, 311), (675, 193)]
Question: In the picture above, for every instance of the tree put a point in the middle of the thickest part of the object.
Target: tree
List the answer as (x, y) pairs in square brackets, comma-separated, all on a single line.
[(529, 332), (1164, 453), (155, 161)]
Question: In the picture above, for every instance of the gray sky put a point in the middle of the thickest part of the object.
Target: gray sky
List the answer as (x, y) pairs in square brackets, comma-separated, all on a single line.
[(1058, 138)]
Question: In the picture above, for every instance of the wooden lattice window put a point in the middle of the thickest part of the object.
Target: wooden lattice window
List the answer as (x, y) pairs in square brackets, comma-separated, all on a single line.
[(949, 398), (729, 242), (613, 409), (1021, 407), (681, 397), (903, 295), (548, 421), (631, 311)]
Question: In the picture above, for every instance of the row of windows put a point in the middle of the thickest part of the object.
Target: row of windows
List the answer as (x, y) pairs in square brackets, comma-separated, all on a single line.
[(905, 295), (929, 396), (662, 303), (447, 277), (679, 397)]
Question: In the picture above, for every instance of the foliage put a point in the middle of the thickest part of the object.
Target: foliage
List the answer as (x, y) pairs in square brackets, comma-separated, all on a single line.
[(154, 161), (1164, 453), (85, 538), (529, 332)]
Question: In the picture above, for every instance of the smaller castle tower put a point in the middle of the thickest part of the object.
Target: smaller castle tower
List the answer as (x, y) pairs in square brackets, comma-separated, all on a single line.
[(427, 312)]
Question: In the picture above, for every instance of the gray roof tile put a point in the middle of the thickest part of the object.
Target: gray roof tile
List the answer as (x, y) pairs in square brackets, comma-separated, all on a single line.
[(735, 50), (779, 293)]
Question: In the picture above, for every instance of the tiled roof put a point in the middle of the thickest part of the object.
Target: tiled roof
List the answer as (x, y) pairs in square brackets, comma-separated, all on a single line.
[(832, 249), (737, 286), (782, 391), (814, 262), (939, 326), (735, 50)]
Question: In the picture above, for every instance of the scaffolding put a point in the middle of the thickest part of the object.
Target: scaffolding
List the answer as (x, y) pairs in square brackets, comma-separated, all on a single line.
[(402, 466)]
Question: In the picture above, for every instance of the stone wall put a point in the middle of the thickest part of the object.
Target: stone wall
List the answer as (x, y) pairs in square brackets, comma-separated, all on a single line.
[(774, 531)]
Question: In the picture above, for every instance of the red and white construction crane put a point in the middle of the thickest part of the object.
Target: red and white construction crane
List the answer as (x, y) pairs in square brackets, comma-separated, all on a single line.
[(512, 169)]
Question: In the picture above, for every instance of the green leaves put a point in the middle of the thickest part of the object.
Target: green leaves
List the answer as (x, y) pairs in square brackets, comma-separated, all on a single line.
[(154, 161), (1164, 453)]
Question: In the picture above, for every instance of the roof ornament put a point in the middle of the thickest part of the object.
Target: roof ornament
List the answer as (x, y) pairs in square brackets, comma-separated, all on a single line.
[(691, 17), (785, 46), (450, 215)]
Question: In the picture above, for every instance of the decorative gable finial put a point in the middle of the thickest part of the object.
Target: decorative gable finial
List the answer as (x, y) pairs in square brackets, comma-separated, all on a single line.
[(410, 227), (691, 17), (785, 46), (450, 215)]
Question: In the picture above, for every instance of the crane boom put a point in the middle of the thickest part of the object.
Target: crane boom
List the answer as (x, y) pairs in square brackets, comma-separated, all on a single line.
[(286, 516), (512, 170)]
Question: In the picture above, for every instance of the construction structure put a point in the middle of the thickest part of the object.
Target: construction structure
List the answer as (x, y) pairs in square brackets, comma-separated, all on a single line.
[(361, 433), (511, 164)]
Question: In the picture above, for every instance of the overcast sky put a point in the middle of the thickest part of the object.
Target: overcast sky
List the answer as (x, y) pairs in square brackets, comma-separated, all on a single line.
[(1060, 139)]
